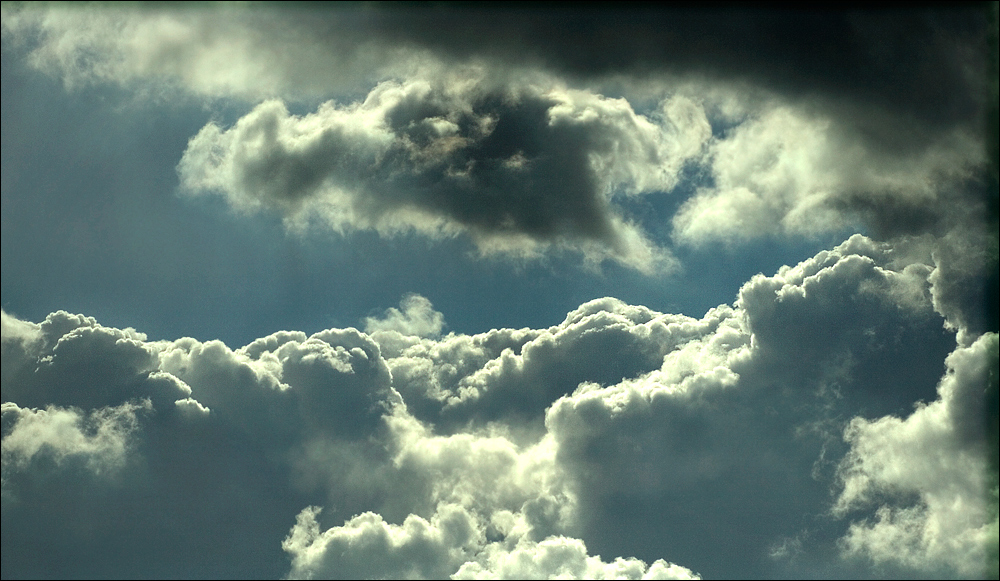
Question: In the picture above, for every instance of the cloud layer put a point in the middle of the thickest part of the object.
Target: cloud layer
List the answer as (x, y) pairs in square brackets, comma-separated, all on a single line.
[(790, 123), (931, 65), (788, 414), (838, 418)]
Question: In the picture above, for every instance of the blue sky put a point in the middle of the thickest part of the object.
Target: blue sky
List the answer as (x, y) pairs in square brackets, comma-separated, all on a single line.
[(232, 260), (495, 292)]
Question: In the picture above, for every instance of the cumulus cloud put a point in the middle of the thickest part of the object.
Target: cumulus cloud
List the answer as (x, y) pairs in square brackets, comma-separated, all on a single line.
[(499, 130), (49, 361), (368, 547), (518, 168), (964, 281), (775, 431), (513, 376), (798, 354), (288, 417), (416, 317), (731, 429), (940, 455), (562, 558), (151, 441)]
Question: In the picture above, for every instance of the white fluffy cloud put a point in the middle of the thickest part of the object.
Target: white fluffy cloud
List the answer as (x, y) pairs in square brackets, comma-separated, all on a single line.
[(368, 547), (562, 558), (514, 376), (940, 455), (520, 168), (416, 319), (690, 434)]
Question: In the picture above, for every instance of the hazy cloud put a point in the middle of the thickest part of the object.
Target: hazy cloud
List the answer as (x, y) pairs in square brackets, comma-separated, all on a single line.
[(100, 438), (784, 171), (218, 51)]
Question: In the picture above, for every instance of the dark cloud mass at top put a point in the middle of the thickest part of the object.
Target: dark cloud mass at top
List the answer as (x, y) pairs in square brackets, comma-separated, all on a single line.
[(835, 418), (906, 94), (898, 77), (929, 61), (901, 75)]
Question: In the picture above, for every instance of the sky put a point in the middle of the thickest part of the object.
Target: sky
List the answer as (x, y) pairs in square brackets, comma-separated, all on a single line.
[(433, 291)]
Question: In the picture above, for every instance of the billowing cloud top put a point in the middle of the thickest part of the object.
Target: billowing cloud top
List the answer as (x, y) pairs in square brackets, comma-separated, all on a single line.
[(838, 418), (519, 452)]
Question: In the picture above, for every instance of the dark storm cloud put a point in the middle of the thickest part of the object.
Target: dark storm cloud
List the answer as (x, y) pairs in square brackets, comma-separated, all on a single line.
[(898, 76), (928, 62), (907, 94), (900, 81)]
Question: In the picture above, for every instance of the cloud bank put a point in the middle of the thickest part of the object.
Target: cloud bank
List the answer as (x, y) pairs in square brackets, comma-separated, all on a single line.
[(402, 452), (503, 130)]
